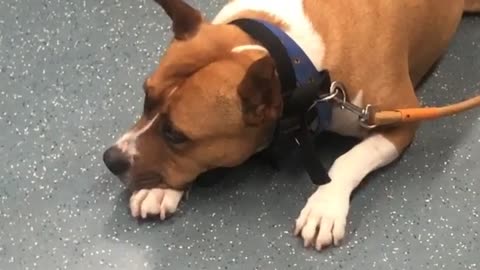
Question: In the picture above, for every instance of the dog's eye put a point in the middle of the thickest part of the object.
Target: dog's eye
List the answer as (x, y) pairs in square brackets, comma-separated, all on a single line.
[(171, 135), (148, 104)]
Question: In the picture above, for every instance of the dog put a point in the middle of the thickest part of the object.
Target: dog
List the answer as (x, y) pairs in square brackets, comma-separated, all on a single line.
[(215, 96)]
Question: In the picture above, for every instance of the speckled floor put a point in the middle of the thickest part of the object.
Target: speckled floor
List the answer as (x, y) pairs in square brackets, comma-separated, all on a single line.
[(70, 82)]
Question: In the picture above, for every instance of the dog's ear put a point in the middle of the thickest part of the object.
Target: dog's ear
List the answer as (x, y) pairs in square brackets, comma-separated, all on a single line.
[(260, 92), (186, 20)]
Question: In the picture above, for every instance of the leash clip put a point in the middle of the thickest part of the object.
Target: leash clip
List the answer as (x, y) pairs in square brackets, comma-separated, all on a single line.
[(338, 94)]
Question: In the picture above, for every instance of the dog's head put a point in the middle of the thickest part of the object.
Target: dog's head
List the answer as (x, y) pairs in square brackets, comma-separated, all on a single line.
[(206, 105)]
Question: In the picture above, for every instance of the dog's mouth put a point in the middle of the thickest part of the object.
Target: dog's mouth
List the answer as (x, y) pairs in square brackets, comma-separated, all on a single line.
[(135, 183), (211, 177)]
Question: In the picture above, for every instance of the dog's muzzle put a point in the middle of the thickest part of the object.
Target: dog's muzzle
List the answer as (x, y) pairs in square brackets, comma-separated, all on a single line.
[(116, 161)]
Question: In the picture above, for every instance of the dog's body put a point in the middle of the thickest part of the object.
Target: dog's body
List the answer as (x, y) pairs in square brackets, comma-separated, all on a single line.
[(206, 86)]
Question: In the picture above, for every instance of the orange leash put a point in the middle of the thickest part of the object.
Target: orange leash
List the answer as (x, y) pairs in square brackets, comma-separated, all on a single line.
[(382, 118)]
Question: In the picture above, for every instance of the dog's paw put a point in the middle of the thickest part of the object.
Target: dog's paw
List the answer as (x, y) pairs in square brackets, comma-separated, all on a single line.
[(322, 221), (157, 201)]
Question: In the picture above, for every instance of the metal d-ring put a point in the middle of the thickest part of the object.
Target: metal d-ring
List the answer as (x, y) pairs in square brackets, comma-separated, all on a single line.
[(339, 88), (335, 89)]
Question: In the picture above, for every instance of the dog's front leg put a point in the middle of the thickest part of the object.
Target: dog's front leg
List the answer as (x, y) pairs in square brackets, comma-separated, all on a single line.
[(322, 221), (157, 201)]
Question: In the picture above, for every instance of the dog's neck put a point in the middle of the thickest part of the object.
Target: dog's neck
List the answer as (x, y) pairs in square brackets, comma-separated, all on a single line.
[(289, 16)]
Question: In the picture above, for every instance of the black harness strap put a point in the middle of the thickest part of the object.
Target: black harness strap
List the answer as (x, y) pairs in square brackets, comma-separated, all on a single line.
[(312, 164), (298, 94)]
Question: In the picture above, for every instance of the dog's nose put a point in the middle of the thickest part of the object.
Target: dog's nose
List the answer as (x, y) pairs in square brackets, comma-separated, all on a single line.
[(116, 161)]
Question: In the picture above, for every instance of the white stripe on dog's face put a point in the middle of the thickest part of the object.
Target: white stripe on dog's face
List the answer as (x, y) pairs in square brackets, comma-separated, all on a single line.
[(127, 143), (172, 91), (243, 48)]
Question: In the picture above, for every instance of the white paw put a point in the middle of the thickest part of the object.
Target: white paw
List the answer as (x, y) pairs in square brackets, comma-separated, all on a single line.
[(155, 201), (322, 221)]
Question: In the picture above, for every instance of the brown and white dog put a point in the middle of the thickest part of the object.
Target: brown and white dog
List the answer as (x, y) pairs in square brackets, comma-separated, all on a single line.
[(215, 96)]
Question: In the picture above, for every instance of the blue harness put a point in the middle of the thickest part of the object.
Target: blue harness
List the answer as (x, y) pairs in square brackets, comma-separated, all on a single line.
[(302, 84)]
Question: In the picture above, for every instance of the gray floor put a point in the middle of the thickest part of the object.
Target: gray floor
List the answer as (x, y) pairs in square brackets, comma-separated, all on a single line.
[(70, 81)]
